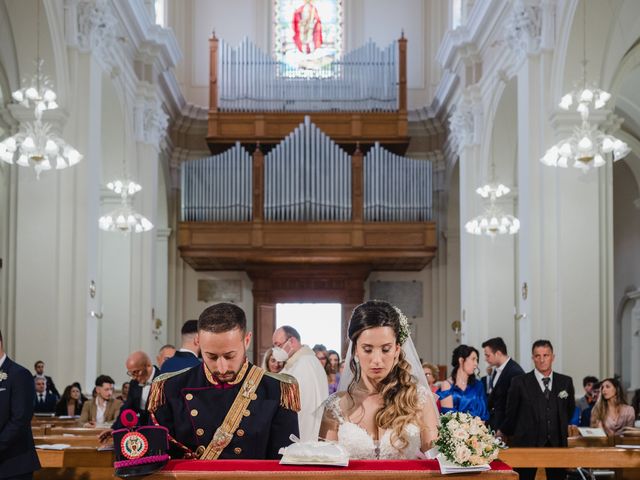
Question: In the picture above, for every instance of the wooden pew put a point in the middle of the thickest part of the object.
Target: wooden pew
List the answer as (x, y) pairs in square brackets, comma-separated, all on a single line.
[(626, 462), (590, 457), (73, 440), (76, 462), (54, 421), (74, 431)]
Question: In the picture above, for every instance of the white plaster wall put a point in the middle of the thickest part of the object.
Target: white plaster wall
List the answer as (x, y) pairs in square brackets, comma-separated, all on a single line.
[(192, 308), (626, 235)]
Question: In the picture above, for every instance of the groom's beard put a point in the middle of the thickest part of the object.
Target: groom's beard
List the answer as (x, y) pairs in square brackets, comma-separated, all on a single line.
[(229, 375)]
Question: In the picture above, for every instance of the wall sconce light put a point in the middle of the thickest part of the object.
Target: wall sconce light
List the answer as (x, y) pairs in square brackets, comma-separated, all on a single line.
[(456, 326)]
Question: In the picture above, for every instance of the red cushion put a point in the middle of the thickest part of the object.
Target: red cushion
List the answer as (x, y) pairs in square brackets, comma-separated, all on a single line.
[(274, 466)]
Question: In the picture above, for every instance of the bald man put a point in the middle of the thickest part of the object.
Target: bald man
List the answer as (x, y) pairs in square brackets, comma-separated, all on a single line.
[(142, 373)]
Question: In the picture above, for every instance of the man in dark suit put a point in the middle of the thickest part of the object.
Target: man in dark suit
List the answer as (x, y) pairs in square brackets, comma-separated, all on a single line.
[(539, 407), (226, 408), (18, 459), (50, 386), (504, 368), (44, 402), (142, 373), (189, 352)]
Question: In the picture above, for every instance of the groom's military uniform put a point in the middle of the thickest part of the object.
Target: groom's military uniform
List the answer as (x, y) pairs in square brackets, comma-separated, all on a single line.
[(251, 417)]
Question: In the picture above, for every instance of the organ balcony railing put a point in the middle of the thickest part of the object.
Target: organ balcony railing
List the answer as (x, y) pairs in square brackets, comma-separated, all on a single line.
[(307, 201), (362, 98)]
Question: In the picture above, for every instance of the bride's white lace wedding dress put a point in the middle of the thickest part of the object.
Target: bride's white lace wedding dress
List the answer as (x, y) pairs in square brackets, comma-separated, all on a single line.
[(360, 444)]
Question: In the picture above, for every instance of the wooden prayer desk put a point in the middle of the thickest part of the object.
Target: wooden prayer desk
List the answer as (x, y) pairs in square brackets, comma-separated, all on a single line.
[(91, 464), (357, 470)]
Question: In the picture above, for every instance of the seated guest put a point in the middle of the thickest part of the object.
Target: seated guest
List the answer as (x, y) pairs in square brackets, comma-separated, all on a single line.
[(164, 354), (103, 408), (45, 402), (612, 412), (50, 386), (463, 392), (124, 392), (587, 400), (431, 372), (83, 397), (142, 373), (270, 364), (635, 403), (70, 404), (332, 366), (189, 352), (585, 415)]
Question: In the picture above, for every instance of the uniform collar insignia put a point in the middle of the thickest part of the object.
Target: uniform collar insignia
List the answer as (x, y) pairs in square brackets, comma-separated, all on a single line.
[(239, 378)]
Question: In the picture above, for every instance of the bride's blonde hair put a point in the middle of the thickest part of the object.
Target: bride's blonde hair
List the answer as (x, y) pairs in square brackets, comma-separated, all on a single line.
[(401, 402)]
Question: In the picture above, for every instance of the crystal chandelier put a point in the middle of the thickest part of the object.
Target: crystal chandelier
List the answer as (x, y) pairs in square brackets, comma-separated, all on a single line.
[(36, 144), (124, 218), (588, 146), (493, 221)]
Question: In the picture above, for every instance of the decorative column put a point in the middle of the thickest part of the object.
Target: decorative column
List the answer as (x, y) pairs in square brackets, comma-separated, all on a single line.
[(564, 280), (150, 125), (535, 298), (465, 126)]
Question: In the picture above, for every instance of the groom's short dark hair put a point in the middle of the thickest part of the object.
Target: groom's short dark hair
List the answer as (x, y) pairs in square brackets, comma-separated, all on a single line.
[(541, 343), (496, 344), (1, 342)]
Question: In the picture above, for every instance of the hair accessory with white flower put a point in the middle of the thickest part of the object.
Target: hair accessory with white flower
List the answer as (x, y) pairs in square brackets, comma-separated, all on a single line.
[(404, 327)]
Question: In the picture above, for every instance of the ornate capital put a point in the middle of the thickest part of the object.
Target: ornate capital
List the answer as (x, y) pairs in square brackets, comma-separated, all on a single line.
[(151, 122), (524, 26), (461, 124), (92, 25)]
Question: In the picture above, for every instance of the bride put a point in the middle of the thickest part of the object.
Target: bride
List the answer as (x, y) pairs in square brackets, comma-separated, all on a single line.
[(383, 407)]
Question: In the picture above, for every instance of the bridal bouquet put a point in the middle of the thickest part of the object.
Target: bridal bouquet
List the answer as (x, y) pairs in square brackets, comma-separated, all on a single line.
[(466, 441)]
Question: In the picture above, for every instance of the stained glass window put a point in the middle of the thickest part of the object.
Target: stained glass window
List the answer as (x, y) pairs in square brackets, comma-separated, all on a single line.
[(307, 36)]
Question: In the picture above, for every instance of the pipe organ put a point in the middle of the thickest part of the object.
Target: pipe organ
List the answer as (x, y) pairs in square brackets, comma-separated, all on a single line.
[(307, 178), (396, 188), (365, 79), (218, 188), (324, 194)]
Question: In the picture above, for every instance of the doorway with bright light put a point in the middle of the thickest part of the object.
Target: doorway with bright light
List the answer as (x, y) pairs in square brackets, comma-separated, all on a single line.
[(316, 322)]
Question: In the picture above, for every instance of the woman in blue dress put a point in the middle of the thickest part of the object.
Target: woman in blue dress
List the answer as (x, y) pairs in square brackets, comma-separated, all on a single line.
[(463, 392)]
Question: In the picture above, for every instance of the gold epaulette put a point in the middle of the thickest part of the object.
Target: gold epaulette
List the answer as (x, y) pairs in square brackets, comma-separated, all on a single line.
[(289, 390), (156, 395)]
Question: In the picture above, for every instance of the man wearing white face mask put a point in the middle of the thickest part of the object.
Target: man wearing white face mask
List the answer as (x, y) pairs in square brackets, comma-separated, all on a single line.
[(301, 363)]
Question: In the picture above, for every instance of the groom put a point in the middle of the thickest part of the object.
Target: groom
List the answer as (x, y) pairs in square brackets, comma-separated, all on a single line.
[(539, 407)]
